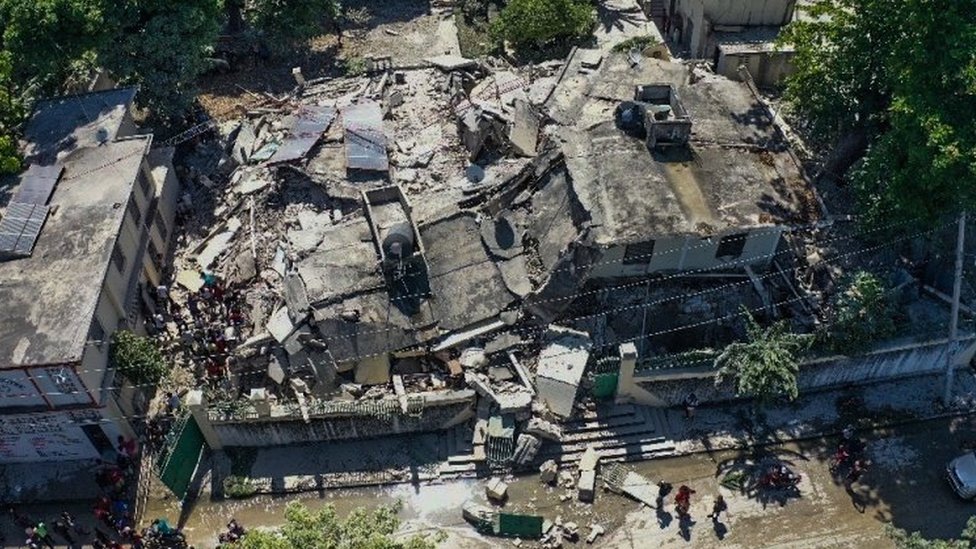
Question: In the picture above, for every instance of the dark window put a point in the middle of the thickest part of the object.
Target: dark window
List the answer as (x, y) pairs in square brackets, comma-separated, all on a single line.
[(134, 211), (118, 259), (145, 185), (155, 256), (97, 333), (161, 225), (151, 211), (731, 246), (638, 254)]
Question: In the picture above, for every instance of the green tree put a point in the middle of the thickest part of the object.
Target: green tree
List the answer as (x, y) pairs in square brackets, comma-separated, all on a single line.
[(285, 23), (863, 313), (322, 529), (11, 115), (163, 47), (137, 358), (534, 23), (858, 72), (904, 540), (45, 37), (766, 364)]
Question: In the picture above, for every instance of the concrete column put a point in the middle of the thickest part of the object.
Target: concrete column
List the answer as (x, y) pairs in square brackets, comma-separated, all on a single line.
[(625, 379), (197, 404)]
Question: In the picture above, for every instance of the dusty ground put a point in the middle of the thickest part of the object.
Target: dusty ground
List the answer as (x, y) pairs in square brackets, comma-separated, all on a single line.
[(402, 29), (904, 487)]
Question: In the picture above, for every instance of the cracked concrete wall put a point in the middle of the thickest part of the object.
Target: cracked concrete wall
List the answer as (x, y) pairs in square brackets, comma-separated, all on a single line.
[(282, 431)]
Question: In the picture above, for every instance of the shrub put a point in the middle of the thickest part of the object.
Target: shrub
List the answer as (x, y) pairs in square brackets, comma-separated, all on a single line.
[(137, 358), (863, 313), (532, 23)]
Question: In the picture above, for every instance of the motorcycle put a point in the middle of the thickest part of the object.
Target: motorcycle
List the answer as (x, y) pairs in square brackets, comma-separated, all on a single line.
[(780, 477)]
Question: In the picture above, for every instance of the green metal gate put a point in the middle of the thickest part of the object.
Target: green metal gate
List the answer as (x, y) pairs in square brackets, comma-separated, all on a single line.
[(180, 455), (603, 377)]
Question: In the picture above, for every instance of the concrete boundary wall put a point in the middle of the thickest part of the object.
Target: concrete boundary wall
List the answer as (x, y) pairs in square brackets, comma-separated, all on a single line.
[(440, 411), (670, 387)]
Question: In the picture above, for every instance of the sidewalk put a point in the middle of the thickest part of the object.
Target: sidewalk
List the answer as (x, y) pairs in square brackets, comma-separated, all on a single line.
[(820, 414)]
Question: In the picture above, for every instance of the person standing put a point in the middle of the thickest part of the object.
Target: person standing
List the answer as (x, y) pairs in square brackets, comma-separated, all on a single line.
[(682, 500), (718, 508), (691, 402)]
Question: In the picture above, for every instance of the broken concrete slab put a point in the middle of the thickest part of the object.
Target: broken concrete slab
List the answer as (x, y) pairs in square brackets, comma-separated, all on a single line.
[(590, 59), (621, 480), (314, 226), (586, 487), (595, 531), (496, 490), (218, 244), (548, 471), (449, 63), (526, 449), (560, 368), (295, 296), (253, 181), (589, 460), (244, 269), (279, 325), (191, 280), (544, 429), (518, 403), (524, 130), (244, 143)]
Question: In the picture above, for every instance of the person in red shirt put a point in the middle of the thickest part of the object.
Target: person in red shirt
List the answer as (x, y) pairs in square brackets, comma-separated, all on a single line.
[(682, 500)]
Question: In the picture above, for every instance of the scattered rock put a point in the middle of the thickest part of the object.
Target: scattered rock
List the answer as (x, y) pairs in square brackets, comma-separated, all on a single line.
[(496, 490), (548, 471), (595, 531)]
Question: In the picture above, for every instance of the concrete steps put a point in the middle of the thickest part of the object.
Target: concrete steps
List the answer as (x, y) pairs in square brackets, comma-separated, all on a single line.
[(620, 433)]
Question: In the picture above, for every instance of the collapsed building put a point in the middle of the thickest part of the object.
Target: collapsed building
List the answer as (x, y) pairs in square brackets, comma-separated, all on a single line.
[(392, 266)]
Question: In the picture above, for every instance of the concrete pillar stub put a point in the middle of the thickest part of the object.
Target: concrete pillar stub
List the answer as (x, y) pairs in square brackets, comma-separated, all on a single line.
[(197, 404)]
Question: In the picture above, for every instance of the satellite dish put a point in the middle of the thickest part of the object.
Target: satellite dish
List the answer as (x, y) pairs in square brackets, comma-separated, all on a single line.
[(101, 134)]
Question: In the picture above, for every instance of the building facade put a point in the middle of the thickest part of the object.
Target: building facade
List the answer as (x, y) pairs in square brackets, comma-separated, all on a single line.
[(97, 235)]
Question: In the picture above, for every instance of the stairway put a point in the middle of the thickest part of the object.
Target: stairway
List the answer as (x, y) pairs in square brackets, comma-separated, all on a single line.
[(622, 432)]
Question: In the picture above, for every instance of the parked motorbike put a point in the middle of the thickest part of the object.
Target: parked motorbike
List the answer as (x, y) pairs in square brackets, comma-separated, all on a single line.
[(780, 477)]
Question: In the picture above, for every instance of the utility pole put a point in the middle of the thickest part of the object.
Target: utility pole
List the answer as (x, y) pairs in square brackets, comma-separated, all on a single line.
[(954, 315)]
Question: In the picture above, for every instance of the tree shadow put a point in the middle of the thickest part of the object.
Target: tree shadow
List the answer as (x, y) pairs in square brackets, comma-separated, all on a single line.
[(609, 18), (747, 474)]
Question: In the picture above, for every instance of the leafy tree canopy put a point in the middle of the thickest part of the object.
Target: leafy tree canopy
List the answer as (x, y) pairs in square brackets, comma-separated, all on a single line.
[(533, 23), (162, 46), (137, 358), (44, 37), (322, 529), (863, 313), (287, 23), (905, 73), (766, 364)]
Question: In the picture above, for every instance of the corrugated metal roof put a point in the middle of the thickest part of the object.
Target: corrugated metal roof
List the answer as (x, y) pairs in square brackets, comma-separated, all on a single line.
[(364, 137), (313, 121)]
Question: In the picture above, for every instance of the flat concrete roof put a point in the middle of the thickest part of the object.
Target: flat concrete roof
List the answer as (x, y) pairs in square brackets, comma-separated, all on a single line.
[(734, 174), (344, 263), (47, 300), (70, 122)]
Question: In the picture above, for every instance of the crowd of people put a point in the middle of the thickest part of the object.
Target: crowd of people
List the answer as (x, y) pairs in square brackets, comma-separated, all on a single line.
[(207, 325)]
